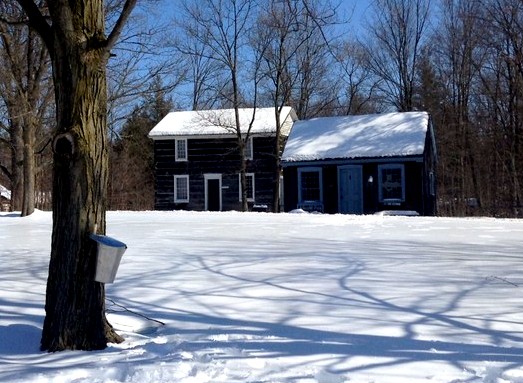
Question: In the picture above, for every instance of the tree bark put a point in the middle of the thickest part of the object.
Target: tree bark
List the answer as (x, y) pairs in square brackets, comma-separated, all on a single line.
[(75, 303)]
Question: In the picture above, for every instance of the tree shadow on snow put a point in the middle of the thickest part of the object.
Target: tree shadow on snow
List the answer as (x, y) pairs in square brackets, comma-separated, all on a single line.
[(484, 338), (19, 339)]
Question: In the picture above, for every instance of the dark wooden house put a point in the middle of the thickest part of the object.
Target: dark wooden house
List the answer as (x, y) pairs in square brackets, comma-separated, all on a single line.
[(197, 158), (361, 164)]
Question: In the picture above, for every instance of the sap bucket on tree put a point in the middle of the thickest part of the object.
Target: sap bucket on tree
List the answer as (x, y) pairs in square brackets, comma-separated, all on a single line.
[(109, 255)]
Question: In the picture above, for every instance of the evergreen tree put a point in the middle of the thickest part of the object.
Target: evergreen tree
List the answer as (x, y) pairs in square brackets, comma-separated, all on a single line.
[(132, 157)]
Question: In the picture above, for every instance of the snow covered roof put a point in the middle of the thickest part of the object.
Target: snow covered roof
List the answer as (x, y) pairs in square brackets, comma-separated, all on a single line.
[(377, 135), (221, 122), (4, 192)]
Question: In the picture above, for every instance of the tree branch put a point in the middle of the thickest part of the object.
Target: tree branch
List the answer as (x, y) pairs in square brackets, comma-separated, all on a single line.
[(118, 27), (37, 21), (5, 171)]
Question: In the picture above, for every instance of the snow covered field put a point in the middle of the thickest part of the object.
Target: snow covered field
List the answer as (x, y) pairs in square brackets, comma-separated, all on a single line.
[(256, 297)]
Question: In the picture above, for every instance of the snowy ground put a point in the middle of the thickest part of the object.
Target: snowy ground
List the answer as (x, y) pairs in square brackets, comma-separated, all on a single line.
[(301, 298)]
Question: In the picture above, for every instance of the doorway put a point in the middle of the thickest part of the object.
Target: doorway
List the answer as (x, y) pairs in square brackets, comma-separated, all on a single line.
[(213, 192), (350, 188)]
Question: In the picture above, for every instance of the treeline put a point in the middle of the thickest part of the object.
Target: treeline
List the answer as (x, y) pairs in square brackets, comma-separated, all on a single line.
[(460, 60)]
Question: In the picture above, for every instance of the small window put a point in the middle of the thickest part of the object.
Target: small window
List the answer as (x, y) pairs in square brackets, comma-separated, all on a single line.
[(391, 183), (309, 184), (181, 188), (248, 150), (181, 149), (249, 183)]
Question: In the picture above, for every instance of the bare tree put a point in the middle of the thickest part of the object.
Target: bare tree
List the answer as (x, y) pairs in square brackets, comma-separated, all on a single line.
[(502, 85), (397, 32), (292, 43), (459, 53), (141, 55), (74, 33), (26, 92), (217, 30), (356, 86)]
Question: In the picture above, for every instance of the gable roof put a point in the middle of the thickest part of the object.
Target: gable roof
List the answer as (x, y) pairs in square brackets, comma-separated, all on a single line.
[(221, 122), (376, 135)]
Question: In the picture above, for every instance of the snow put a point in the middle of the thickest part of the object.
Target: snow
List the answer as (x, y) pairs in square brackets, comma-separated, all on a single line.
[(4, 192), (221, 122), (262, 297), (377, 135)]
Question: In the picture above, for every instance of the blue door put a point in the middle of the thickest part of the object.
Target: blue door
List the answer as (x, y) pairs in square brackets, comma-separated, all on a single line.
[(350, 189)]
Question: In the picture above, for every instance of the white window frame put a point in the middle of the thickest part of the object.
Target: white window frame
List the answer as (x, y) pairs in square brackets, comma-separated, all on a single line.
[(401, 167), (249, 198), (319, 170), (249, 149), (177, 199), (177, 156)]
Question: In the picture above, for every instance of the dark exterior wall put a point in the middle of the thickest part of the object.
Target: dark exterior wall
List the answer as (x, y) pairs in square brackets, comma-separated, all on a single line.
[(415, 186), (290, 188), (217, 156), (330, 189), (430, 176)]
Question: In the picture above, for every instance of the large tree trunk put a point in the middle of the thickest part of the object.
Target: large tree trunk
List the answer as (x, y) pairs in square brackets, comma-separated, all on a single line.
[(75, 303)]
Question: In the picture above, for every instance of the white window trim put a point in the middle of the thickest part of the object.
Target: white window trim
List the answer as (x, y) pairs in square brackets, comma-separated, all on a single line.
[(249, 149), (320, 175), (240, 187), (176, 156), (176, 199), (380, 181)]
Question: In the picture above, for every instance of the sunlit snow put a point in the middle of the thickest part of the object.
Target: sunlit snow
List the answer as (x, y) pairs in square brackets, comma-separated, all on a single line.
[(222, 121), (259, 297), (375, 135)]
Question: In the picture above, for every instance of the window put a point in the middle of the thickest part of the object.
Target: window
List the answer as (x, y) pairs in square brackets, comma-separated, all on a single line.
[(391, 180), (248, 150), (181, 188), (249, 184), (309, 184), (181, 149)]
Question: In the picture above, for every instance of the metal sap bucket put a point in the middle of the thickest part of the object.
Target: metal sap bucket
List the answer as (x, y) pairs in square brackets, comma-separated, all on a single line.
[(108, 256)]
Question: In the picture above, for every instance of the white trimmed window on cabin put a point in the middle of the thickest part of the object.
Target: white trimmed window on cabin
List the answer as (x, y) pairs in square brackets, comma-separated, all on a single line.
[(309, 184), (181, 188), (249, 184), (181, 149), (310, 189), (391, 179)]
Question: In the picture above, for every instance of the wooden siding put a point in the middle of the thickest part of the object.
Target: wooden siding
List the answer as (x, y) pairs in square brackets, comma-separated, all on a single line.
[(415, 186), (212, 156)]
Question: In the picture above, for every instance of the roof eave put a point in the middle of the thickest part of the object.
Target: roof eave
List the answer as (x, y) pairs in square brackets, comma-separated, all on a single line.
[(362, 160)]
